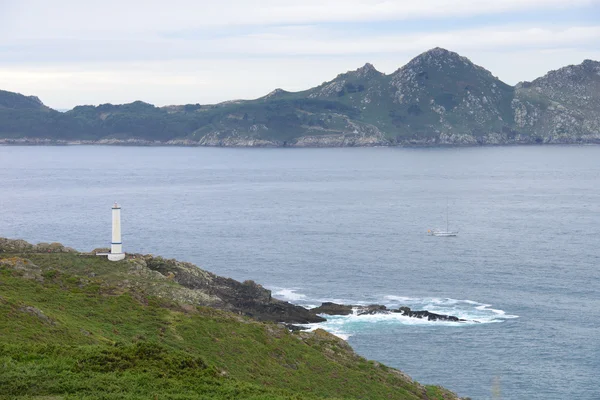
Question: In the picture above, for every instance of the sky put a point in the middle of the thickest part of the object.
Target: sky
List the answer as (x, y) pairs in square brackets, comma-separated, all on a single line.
[(73, 52)]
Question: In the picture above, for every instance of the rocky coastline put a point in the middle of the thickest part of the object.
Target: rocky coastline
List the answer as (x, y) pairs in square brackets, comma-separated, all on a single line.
[(327, 141), (149, 327), (184, 282), (329, 308)]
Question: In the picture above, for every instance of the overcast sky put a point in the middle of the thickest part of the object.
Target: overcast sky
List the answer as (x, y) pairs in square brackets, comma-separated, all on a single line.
[(71, 52)]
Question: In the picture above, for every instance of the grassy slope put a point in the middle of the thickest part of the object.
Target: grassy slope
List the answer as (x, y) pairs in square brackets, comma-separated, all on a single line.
[(65, 333)]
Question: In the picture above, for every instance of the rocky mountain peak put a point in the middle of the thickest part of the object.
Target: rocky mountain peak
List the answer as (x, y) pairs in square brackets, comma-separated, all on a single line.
[(367, 67), (366, 70), (355, 81), (579, 74), (562, 103), (444, 61), (440, 52), (438, 67), (591, 65), (439, 56), (275, 93)]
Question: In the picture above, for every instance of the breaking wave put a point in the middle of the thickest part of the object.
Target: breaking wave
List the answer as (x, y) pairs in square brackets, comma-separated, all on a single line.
[(344, 326), (287, 294)]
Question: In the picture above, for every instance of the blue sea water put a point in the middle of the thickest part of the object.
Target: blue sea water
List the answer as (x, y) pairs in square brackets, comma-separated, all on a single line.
[(349, 225)]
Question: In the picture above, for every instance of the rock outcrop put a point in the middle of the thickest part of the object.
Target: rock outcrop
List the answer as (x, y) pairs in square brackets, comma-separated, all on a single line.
[(21, 246), (156, 275), (329, 308), (184, 282), (427, 315), (563, 106), (248, 297)]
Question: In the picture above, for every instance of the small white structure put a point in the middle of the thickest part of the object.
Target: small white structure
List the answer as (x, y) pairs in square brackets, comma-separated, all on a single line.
[(116, 245)]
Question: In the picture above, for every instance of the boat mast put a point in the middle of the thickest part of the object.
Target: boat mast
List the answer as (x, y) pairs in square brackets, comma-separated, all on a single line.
[(447, 215)]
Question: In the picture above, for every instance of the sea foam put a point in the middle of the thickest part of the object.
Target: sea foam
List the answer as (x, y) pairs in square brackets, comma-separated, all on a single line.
[(473, 312), (344, 326), (287, 294)]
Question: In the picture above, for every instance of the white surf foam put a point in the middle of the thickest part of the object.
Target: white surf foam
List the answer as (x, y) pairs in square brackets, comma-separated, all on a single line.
[(287, 294), (344, 326), (333, 326), (398, 298), (499, 313), (310, 306), (473, 312)]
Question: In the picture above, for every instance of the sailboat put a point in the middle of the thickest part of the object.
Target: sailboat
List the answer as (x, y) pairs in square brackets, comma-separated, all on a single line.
[(442, 233)]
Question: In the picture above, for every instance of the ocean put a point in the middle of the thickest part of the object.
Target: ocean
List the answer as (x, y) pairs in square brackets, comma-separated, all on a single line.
[(350, 225)]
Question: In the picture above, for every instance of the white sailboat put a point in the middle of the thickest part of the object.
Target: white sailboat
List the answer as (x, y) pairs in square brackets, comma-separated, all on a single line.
[(442, 233)]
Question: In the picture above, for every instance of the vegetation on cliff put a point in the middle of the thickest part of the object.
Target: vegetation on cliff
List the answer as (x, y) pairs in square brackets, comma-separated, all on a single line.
[(439, 97), (77, 326)]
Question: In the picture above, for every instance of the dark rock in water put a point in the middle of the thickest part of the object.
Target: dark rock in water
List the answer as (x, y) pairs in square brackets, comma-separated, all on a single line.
[(295, 328), (428, 315), (372, 309), (343, 309), (403, 310), (333, 309)]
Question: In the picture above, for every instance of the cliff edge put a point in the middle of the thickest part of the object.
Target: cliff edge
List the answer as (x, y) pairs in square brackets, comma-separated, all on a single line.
[(74, 325)]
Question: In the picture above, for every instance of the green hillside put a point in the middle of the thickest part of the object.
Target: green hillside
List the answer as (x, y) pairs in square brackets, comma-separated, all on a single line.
[(77, 326)]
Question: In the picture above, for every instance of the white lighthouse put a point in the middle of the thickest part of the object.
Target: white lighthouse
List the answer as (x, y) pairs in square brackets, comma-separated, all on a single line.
[(116, 246)]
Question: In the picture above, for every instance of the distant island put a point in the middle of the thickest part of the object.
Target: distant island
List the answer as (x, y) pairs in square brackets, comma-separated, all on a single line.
[(80, 326), (438, 98)]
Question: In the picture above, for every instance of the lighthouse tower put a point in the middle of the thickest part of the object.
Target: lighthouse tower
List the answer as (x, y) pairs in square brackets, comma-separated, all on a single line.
[(116, 246)]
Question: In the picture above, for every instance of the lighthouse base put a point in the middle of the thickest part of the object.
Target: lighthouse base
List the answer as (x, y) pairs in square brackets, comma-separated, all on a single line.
[(116, 256)]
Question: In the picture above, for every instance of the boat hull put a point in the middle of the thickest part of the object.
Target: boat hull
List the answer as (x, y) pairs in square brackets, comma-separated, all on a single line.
[(444, 234)]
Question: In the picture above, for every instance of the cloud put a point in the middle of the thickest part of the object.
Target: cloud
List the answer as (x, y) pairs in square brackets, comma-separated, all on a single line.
[(304, 41), (183, 51), (60, 18), (496, 37)]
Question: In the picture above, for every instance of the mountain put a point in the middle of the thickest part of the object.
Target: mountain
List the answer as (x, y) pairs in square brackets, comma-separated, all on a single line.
[(438, 98), (440, 94), (77, 326), (19, 102), (27, 117), (563, 106)]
